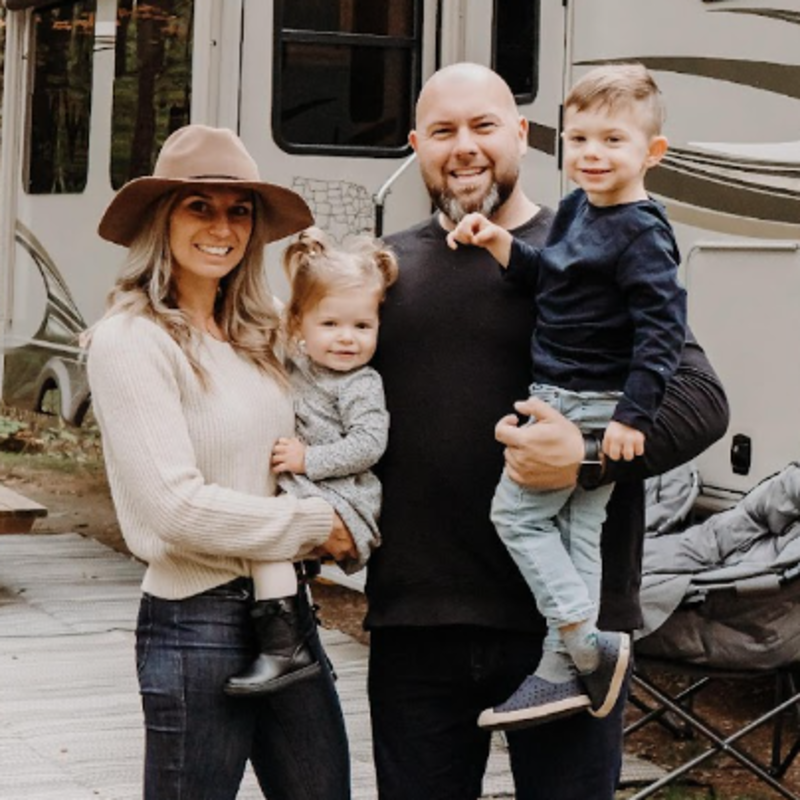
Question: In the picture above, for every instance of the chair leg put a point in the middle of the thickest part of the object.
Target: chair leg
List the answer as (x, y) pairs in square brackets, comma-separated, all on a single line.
[(719, 744), (680, 731), (785, 687)]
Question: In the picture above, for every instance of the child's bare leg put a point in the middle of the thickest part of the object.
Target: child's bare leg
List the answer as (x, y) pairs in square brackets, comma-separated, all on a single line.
[(273, 579)]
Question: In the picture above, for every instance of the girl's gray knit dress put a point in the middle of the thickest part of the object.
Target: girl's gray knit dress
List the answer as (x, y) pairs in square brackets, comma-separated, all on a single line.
[(342, 419)]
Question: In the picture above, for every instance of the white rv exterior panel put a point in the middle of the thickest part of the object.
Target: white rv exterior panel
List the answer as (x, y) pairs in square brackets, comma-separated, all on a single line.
[(728, 73), (743, 307)]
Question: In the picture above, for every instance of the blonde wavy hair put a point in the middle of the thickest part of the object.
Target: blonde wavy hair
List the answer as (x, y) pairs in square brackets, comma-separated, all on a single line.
[(244, 308)]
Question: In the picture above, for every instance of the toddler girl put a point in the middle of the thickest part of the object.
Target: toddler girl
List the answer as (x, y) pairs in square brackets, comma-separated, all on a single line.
[(342, 426)]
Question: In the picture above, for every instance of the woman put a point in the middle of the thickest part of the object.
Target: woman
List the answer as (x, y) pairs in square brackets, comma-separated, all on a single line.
[(191, 398)]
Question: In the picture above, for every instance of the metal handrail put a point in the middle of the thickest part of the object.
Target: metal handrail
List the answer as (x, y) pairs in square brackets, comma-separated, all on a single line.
[(379, 198)]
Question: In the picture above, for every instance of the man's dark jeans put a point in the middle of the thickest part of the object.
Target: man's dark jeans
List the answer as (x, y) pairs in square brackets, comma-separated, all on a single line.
[(198, 740), (427, 687)]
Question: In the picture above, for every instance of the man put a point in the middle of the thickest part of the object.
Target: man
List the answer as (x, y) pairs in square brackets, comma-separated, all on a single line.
[(454, 628)]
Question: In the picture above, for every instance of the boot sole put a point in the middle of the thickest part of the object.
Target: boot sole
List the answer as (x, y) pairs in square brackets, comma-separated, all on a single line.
[(617, 679), (274, 685), (528, 717)]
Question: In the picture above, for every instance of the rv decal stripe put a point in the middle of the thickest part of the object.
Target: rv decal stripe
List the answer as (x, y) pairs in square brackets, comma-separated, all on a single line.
[(731, 178), (723, 195), (787, 169), (783, 79), (542, 138), (792, 17), (44, 344)]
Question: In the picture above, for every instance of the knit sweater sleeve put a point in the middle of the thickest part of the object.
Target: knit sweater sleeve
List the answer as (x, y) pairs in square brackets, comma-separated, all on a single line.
[(365, 430), (143, 390)]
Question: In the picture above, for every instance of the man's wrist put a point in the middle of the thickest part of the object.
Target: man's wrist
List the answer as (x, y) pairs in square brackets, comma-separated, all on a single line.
[(592, 468)]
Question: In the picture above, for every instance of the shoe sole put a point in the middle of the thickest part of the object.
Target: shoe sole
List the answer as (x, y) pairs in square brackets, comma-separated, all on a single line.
[(490, 719), (275, 685), (617, 679)]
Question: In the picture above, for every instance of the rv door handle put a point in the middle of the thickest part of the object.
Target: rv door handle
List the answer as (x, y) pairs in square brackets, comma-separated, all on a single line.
[(741, 454)]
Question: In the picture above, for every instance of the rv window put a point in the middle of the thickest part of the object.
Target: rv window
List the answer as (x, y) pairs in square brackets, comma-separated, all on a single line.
[(345, 75), (58, 145), (515, 50), (152, 82)]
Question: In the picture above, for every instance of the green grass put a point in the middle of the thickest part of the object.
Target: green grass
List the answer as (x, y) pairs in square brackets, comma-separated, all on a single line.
[(46, 442)]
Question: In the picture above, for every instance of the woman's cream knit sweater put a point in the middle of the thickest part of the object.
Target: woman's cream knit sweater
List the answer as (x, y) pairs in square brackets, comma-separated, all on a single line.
[(189, 467)]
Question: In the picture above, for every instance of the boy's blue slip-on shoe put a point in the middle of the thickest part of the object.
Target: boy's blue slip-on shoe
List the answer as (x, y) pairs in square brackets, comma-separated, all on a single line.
[(604, 684), (535, 702)]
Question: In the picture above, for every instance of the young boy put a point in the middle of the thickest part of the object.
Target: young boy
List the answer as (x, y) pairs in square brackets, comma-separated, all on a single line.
[(610, 328)]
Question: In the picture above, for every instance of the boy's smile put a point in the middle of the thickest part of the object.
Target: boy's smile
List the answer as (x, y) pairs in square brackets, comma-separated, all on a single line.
[(607, 152)]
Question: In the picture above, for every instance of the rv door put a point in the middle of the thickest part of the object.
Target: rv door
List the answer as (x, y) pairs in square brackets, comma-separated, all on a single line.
[(327, 93)]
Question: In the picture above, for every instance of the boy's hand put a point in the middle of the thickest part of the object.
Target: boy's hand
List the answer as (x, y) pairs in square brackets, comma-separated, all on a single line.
[(621, 441), (476, 230), (473, 229), (289, 455)]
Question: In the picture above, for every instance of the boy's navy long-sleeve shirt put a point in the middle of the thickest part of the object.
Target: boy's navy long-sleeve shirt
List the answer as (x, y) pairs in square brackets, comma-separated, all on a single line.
[(610, 312)]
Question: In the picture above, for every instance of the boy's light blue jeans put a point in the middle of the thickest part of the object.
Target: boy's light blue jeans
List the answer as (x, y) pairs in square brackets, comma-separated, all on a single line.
[(554, 536)]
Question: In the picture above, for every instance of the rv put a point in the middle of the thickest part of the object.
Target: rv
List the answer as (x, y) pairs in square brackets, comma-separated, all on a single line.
[(322, 92)]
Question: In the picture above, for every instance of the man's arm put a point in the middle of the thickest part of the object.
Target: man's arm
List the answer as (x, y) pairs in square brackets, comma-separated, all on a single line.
[(693, 415)]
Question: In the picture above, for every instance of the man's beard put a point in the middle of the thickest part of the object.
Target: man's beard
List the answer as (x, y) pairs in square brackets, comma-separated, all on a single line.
[(456, 209)]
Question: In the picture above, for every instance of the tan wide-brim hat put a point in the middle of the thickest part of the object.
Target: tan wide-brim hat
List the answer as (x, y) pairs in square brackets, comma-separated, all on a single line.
[(200, 155)]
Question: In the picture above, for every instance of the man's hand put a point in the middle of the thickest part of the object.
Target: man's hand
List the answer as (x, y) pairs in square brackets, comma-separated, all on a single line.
[(546, 455), (289, 455), (340, 543), (622, 441)]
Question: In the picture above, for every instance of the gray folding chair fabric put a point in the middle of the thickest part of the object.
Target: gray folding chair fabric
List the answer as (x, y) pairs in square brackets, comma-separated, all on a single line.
[(721, 599), (723, 593)]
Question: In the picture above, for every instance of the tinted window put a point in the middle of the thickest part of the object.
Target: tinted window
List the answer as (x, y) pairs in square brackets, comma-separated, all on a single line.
[(346, 73), (58, 145), (152, 82), (384, 18), (516, 46)]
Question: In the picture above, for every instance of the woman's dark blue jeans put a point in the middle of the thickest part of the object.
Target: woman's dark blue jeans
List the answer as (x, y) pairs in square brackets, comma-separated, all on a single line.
[(198, 740)]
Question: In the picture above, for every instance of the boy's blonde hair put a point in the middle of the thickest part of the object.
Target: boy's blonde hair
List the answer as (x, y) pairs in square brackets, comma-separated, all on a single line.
[(618, 85), (315, 268)]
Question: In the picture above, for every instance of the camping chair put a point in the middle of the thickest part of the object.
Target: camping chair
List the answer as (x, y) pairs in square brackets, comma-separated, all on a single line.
[(676, 710), (721, 601)]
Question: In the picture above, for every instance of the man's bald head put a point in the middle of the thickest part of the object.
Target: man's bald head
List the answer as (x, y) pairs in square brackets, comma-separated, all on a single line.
[(465, 77), (470, 140)]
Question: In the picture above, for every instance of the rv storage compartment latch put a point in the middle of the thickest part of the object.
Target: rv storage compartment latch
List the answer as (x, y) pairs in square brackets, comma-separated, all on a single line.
[(741, 454)]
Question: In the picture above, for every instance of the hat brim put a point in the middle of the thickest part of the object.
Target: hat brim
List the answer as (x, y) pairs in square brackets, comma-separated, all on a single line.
[(287, 212)]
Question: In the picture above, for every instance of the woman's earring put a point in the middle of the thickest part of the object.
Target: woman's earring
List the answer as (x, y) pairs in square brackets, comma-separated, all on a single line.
[(302, 345)]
